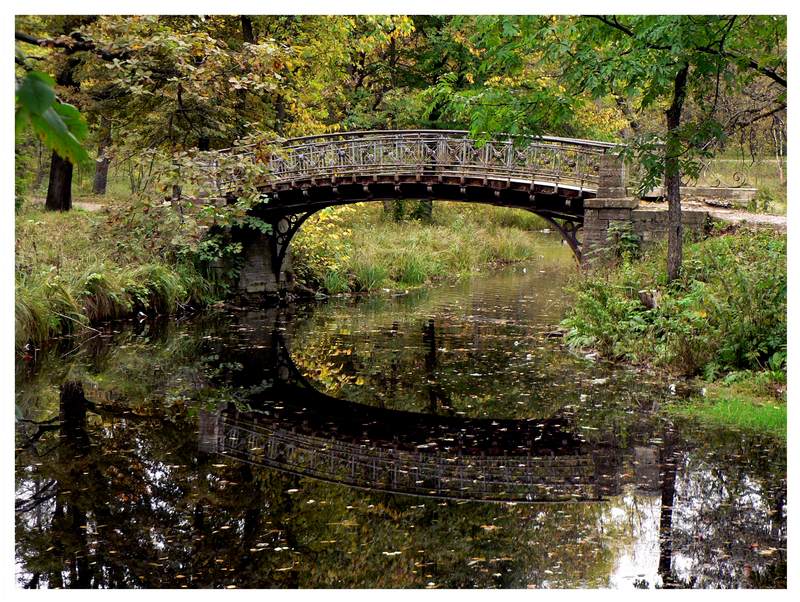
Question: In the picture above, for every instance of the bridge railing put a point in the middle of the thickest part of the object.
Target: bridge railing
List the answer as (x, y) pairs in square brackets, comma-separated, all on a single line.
[(553, 161), (550, 161)]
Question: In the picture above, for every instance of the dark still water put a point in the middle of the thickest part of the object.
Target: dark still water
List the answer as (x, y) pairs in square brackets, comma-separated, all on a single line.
[(433, 439)]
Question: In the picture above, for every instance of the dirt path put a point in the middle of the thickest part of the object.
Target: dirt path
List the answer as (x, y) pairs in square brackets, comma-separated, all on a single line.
[(85, 205), (736, 216)]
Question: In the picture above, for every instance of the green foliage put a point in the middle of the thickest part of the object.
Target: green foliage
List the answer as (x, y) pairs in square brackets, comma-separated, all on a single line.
[(624, 242), (61, 287), (612, 70), (606, 317), (763, 201), (744, 400), (727, 311), (59, 125), (22, 175), (736, 413), (360, 248), (335, 283), (368, 277)]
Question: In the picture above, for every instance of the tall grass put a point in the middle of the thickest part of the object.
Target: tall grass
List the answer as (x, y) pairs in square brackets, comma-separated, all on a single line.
[(371, 250), (72, 270), (80, 267)]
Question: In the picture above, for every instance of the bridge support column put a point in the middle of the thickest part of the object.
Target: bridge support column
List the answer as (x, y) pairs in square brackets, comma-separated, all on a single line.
[(611, 206), (257, 279), (266, 257)]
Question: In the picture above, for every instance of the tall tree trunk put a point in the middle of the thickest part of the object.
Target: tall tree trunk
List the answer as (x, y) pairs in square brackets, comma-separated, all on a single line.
[(672, 176), (59, 190), (103, 160), (247, 29)]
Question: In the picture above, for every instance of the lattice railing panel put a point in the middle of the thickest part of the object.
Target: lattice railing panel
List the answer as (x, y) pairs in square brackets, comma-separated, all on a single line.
[(558, 161)]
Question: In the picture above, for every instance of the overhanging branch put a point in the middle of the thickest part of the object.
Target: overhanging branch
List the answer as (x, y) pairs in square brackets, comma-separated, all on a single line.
[(75, 42)]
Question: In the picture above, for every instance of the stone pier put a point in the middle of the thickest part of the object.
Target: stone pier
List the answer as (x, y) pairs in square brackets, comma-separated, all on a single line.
[(612, 205)]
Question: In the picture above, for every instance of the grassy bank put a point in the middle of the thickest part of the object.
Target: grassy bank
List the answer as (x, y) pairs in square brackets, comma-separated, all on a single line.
[(361, 248), (80, 267), (723, 320), (749, 401)]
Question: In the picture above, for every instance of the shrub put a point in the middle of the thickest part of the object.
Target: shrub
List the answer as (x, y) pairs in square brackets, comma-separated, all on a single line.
[(368, 276), (727, 310), (335, 283)]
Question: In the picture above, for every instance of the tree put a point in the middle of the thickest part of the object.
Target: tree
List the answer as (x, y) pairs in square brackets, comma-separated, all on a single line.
[(669, 59), (551, 66), (60, 127), (65, 63)]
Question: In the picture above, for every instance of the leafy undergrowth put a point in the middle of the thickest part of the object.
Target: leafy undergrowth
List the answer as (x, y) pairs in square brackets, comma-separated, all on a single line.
[(723, 319), (361, 248), (744, 400), (80, 267), (726, 312)]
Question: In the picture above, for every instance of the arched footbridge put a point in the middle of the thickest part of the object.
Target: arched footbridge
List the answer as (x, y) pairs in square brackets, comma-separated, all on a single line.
[(573, 184)]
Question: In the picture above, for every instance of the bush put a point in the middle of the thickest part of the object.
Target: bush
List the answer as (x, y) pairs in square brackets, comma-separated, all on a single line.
[(727, 311), (76, 268), (764, 200)]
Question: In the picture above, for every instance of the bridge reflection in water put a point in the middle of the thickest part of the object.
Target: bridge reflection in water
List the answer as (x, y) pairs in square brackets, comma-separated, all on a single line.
[(474, 473), (302, 431)]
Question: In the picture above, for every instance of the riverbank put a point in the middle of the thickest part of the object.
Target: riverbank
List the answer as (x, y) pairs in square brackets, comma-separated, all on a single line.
[(722, 322), (362, 248), (748, 401), (81, 267)]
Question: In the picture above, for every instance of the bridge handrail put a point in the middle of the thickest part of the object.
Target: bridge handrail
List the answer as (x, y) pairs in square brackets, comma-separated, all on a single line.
[(388, 155), (499, 137), (361, 134), (553, 161)]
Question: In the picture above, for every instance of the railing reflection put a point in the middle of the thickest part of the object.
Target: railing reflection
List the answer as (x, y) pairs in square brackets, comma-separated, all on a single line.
[(576, 473)]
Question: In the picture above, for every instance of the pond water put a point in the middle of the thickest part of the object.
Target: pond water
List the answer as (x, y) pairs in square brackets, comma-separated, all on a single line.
[(440, 438)]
